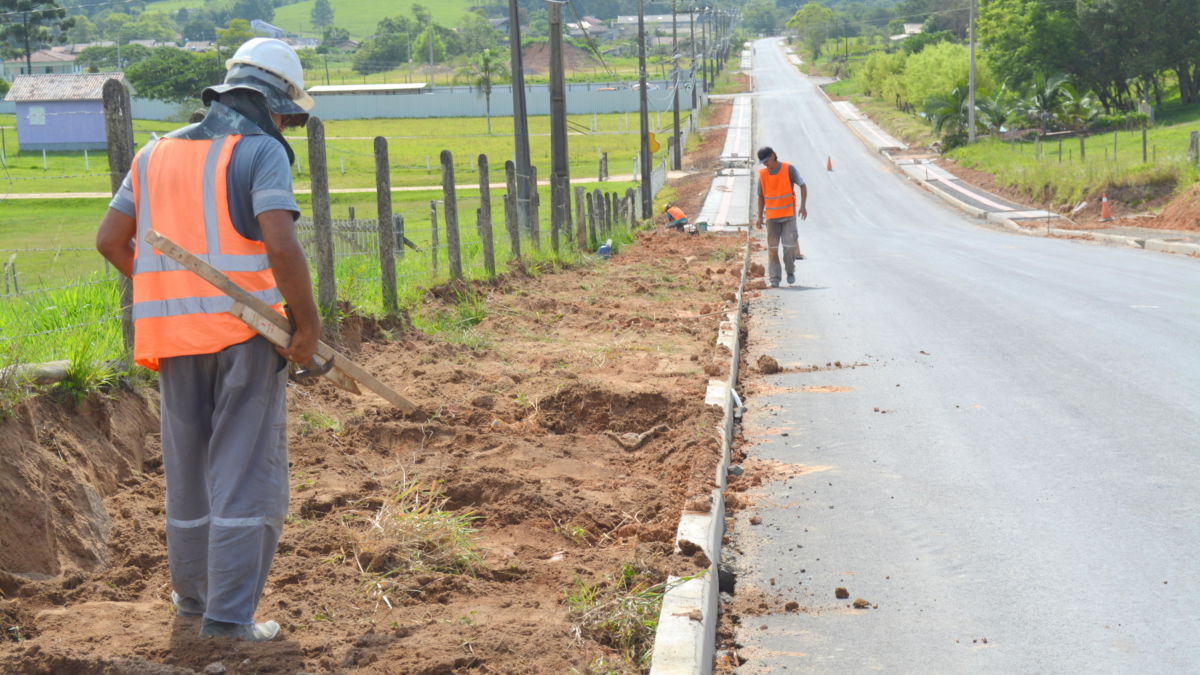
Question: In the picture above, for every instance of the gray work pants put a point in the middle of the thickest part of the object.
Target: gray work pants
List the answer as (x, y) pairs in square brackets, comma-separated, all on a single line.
[(224, 443), (781, 231)]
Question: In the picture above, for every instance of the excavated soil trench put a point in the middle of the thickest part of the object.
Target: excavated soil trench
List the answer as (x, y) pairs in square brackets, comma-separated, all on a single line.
[(522, 433)]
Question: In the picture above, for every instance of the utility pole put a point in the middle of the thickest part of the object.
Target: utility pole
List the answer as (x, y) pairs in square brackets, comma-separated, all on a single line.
[(692, 31), (644, 108), (560, 171), (971, 85), (520, 118), (677, 152)]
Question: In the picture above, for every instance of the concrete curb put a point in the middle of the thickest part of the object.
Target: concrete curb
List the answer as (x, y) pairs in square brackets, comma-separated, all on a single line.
[(687, 623)]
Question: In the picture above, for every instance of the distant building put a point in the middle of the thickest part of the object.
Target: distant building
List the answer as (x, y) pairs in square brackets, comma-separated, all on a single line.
[(626, 26), (45, 62), (589, 26), (198, 45), (910, 29), (61, 112), (264, 29)]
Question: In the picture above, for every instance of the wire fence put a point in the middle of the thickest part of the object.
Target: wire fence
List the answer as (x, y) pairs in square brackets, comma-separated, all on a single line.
[(63, 303)]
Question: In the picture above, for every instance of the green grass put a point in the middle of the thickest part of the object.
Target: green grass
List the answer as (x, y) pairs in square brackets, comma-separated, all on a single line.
[(414, 148), (1034, 168), (359, 17)]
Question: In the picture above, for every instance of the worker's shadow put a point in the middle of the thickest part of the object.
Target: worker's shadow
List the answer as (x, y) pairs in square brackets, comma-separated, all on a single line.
[(196, 652), (796, 288)]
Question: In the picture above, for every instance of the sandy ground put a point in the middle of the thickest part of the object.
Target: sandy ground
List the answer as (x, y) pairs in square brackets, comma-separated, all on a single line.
[(519, 432)]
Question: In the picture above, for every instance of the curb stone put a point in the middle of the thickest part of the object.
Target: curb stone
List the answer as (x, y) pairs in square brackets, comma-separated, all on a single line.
[(687, 623)]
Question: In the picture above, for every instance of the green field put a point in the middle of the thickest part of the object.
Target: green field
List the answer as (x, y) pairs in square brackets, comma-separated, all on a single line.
[(414, 148), (67, 305), (1034, 167), (358, 17)]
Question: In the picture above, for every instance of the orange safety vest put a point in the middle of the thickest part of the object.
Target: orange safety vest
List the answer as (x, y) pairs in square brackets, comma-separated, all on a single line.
[(180, 191), (778, 196), (676, 213)]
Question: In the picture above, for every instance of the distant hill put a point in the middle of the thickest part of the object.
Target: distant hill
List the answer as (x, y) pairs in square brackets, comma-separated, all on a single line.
[(357, 16)]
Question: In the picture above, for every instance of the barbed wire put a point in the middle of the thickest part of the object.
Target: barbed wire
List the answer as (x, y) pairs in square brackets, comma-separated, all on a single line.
[(50, 289), (113, 317)]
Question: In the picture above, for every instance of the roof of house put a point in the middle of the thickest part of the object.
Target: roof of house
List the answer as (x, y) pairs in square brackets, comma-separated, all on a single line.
[(358, 89), (74, 87), (680, 17), (46, 56)]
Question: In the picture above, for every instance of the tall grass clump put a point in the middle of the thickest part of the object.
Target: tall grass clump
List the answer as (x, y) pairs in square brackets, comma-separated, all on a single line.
[(413, 531), (620, 612)]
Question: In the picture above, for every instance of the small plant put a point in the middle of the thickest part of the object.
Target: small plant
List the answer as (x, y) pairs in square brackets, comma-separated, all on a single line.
[(304, 482), (413, 531), (620, 612), (312, 421), (86, 372)]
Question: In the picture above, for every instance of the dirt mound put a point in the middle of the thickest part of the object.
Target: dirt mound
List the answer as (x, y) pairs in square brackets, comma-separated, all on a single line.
[(516, 458), (536, 58), (57, 464), (583, 407), (1183, 213)]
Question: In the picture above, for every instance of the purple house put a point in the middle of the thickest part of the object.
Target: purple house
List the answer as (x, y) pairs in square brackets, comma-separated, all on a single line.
[(61, 112)]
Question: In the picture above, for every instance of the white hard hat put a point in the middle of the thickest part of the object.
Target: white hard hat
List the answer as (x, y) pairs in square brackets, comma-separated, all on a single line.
[(277, 58)]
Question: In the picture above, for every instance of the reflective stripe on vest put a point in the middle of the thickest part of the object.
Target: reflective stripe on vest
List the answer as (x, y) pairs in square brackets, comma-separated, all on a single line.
[(180, 191), (778, 196)]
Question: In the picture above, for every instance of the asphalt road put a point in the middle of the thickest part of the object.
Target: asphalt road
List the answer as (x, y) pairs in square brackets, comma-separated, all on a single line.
[(1008, 474)]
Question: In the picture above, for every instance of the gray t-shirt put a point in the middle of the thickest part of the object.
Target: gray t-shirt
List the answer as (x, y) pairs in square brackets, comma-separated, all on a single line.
[(259, 179)]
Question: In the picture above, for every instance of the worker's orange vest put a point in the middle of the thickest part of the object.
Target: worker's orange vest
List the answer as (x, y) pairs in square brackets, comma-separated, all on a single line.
[(778, 196), (676, 213), (179, 190)]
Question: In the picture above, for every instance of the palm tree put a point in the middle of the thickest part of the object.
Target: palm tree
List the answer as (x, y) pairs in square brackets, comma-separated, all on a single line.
[(999, 109), (480, 72), (1078, 108), (949, 113), (1046, 99)]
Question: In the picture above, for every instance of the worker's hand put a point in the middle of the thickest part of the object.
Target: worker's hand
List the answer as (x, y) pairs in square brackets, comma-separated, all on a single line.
[(303, 346), (803, 213), (758, 223)]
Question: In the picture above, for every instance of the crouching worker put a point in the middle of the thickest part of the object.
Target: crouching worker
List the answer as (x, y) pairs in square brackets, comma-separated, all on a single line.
[(675, 216), (222, 189)]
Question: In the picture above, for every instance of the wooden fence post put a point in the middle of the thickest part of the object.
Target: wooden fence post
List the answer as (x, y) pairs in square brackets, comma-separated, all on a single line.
[(118, 125), (535, 216), (484, 222), (398, 229), (631, 197), (599, 202), (453, 253), (581, 234), (609, 210), (1082, 148), (1194, 147), (387, 234), (322, 224), (603, 166), (433, 235), (510, 208), (558, 211), (1143, 142), (591, 217)]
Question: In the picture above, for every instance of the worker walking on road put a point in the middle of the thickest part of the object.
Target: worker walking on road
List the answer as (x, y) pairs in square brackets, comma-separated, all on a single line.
[(222, 189), (777, 206)]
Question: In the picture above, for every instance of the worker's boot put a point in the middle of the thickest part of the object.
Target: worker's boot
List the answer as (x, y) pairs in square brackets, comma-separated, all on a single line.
[(257, 632), (186, 606)]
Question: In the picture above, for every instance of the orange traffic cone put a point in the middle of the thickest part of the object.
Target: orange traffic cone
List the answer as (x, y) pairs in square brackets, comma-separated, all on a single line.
[(829, 163), (1105, 211)]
